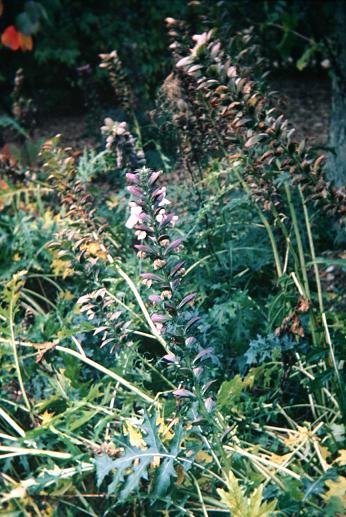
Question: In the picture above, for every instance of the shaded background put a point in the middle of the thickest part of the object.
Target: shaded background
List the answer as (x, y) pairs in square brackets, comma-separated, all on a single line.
[(71, 34)]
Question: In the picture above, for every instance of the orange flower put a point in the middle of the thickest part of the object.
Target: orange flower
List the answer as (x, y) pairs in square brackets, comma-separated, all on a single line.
[(10, 38), (15, 40), (25, 41)]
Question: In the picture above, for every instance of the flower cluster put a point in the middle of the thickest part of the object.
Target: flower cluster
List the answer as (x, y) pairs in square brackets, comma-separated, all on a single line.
[(190, 120), (112, 63), (120, 141), (173, 312)]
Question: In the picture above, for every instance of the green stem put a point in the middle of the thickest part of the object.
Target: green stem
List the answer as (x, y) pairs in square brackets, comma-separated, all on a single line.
[(142, 306), (286, 235), (299, 241), (312, 250), (320, 297), (266, 224), (16, 358)]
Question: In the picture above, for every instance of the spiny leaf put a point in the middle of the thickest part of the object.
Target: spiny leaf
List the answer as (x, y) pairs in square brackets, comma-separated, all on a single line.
[(104, 465), (240, 505), (166, 470)]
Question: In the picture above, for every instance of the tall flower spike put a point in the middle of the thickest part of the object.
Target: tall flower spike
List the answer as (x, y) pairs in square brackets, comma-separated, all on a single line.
[(119, 82), (120, 141), (173, 315)]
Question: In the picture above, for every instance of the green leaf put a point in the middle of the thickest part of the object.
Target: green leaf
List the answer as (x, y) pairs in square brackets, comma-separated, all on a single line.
[(6, 121), (334, 507), (104, 465), (138, 472), (86, 416), (135, 463), (166, 471), (229, 392), (151, 428)]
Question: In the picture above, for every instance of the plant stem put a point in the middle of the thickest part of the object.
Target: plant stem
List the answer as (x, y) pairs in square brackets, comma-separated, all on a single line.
[(299, 241), (312, 249), (16, 358), (266, 224), (320, 299), (142, 306)]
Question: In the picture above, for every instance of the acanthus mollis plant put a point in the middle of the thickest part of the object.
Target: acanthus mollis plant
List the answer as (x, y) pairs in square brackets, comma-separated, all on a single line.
[(23, 109), (121, 143), (229, 84), (80, 231), (279, 174), (118, 79), (82, 241), (189, 118), (173, 312)]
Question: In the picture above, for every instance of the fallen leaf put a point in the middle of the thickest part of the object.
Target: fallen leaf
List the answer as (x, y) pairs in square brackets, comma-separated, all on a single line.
[(204, 457)]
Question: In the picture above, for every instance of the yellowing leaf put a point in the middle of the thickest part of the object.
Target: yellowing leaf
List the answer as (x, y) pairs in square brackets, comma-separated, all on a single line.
[(164, 429), (112, 202), (203, 457), (180, 475), (242, 506), (233, 499), (49, 219), (341, 459), (296, 438), (279, 459), (95, 249), (325, 453), (46, 418), (66, 295), (48, 511), (336, 489), (156, 461), (135, 436), (62, 268)]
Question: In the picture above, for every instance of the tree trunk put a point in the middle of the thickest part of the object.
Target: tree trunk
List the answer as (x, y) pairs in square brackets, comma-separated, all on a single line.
[(336, 167)]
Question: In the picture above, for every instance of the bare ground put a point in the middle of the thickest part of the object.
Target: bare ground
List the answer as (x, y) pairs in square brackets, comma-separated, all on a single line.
[(305, 102), (307, 105)]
